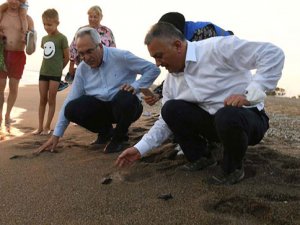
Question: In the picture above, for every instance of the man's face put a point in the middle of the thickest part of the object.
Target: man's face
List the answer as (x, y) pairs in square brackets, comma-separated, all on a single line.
[(89, 52), (167, 54), (13, 4)]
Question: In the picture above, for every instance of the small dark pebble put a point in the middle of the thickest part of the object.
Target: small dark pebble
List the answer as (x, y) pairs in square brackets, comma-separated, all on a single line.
[(165, 196), (106, 180)]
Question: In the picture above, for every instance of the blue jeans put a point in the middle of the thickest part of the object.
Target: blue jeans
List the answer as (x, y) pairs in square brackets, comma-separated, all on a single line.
[(235, 128)]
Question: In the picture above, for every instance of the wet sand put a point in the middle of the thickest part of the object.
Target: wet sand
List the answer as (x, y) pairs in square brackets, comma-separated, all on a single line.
[(67, 187)]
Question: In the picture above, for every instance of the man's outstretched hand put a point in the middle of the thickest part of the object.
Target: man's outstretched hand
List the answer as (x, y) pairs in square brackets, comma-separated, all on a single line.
[(48, 145), (128, 157)]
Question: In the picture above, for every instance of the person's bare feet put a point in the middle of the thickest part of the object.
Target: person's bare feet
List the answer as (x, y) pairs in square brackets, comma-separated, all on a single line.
[(46, 132), (37, 132)]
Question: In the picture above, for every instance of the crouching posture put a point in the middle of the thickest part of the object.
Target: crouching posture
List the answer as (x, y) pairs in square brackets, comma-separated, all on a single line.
[(104, 92), (210, 95)]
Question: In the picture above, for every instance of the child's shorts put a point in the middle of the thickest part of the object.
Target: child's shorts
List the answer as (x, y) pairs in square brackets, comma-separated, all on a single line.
[(15, 62), (48, 78)]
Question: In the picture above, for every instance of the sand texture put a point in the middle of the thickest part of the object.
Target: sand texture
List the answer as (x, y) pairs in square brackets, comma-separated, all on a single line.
[(80, 185)]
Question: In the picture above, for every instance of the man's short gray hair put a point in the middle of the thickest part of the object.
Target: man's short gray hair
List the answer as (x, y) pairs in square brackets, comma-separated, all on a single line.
[(89, 31), (163, 30)]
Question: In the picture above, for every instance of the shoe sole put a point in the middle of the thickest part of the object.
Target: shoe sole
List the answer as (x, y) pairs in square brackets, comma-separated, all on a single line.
[(63, 88), (217, 181), (183, 168)]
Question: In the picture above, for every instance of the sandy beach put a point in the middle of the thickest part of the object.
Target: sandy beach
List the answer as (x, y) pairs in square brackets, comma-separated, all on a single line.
[(69, 187)]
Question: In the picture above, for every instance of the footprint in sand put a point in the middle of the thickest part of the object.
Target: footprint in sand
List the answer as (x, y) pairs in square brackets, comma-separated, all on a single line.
[(239, 205)]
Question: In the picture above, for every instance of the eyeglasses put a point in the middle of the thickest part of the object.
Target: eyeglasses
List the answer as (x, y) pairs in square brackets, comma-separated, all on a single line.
[(87, 52)]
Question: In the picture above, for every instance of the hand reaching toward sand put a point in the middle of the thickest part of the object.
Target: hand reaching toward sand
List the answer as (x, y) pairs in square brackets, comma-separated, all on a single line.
[(49, 145), (128, 157)]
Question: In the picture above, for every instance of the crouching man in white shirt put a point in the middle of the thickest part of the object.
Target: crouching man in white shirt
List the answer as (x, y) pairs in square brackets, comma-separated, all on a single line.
[(210, 94)]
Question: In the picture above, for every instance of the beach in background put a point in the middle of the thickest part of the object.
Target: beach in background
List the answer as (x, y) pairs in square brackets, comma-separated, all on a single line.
[(254, 20), (80, 184)]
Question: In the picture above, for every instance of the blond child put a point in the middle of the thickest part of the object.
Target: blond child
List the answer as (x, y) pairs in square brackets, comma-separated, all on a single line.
[(56, 57)]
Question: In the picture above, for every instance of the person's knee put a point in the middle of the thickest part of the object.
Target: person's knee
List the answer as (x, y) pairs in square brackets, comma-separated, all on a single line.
[(70, 110), (169, 108), (13, 90), (169, 111), (125, 100), (51, 102), (227, 118), (43, 101)]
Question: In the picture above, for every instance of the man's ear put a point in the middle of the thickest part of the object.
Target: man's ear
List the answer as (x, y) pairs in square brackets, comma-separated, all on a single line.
[(178, 45)]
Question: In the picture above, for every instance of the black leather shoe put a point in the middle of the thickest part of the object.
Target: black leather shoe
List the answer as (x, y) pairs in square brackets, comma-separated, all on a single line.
[(114, 146), (228, 179), (101, 139)]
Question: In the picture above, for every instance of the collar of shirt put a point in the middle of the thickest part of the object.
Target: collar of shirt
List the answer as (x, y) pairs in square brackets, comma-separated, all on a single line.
[(189, 57), (105, 54), (190, 52)]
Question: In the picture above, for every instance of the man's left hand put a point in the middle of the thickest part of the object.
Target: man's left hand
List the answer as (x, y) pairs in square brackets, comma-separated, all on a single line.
[(236, 101), (127, 87)]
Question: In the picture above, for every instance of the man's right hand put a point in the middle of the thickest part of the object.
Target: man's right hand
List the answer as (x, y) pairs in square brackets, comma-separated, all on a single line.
[(128, 157), (49, 145), (151, 100)]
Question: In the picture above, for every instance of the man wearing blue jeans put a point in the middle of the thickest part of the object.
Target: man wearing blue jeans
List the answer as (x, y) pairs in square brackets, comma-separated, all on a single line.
[(210, 94), (104, 92)]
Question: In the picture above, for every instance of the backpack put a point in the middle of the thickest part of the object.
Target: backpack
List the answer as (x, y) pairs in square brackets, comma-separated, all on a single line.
[(205, 32)]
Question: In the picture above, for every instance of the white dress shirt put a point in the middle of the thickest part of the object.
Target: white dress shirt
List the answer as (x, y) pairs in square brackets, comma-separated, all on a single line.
[(215, 69)]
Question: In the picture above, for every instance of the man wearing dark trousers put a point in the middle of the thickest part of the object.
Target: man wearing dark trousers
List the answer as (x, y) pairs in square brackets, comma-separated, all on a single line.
[(104, 92), (210, 94)]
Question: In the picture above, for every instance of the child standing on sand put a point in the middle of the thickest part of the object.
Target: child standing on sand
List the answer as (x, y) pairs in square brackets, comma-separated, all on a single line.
[(56, 57)]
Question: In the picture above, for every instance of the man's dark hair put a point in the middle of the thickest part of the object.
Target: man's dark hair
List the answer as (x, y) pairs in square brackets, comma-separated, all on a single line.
[(175, 18), (165, 31)]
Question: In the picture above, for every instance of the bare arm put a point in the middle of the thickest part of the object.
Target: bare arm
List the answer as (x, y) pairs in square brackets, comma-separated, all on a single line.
[(30, 23), (72, 68), (3, 7), (66, 57)]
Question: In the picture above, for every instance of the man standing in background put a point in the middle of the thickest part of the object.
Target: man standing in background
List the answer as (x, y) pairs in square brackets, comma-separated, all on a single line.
[(14, 55)]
